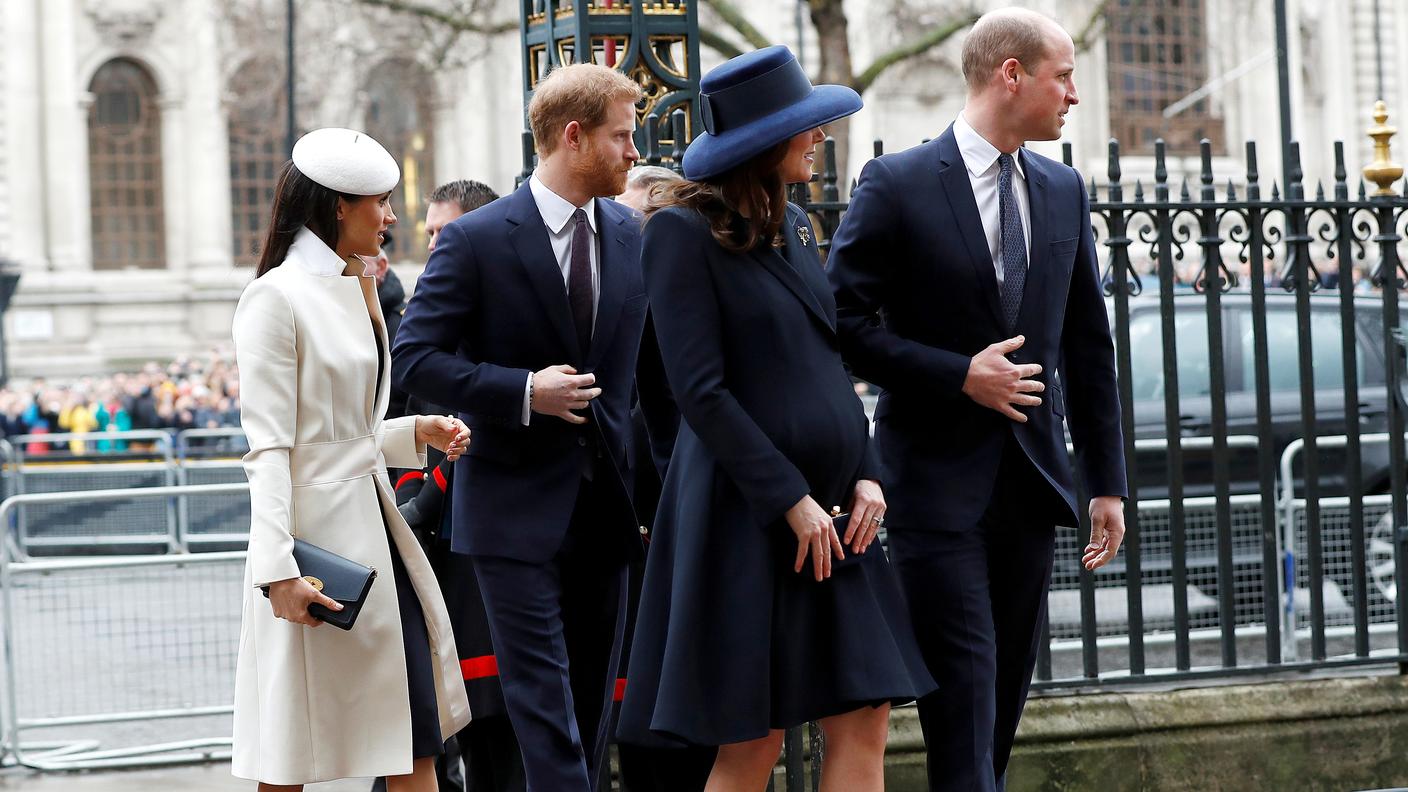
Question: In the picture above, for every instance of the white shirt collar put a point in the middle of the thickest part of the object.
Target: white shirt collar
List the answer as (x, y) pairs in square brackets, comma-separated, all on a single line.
[(314, 256), (978, 154), (556, 210)]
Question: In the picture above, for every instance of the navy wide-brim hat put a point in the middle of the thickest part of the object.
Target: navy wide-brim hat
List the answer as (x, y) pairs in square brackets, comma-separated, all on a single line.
[(754, 102)]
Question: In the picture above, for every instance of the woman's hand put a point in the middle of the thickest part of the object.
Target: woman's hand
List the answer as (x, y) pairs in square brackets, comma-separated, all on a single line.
[(867, 515), (443, 433), (292, 597), (815, 536)]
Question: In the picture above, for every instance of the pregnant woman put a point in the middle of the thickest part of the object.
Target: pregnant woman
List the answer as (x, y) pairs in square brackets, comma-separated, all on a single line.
[(757, 614)]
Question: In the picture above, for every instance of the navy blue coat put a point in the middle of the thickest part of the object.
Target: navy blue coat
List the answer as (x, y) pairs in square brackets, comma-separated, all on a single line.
[(917, 297), (490, 308), (730, 642)]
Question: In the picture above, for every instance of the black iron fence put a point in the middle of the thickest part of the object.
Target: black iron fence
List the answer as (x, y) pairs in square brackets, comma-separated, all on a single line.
[(1262, 376)]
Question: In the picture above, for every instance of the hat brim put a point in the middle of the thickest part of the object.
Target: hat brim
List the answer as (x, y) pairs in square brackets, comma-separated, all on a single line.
[(710, 155)]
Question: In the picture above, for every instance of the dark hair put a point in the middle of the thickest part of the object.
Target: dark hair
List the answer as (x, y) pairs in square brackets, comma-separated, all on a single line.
[(468, 195), (745, 206), (298, 201)]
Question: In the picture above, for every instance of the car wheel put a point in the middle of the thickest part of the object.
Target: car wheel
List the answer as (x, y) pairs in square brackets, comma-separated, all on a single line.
[(1380, 557)]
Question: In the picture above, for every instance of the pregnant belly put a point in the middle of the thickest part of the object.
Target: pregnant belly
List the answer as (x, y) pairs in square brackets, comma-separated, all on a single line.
[(826, 445)]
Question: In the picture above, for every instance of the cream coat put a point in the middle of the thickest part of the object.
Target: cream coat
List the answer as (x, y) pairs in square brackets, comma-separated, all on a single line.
[(313, 704)]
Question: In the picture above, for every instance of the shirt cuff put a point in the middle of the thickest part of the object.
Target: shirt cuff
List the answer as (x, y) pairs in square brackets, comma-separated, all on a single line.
[(527, 399)]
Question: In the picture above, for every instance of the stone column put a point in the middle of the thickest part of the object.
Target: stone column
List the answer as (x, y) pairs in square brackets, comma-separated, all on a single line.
[(207, 142), (22, 222), (176, 207), (65, 150)]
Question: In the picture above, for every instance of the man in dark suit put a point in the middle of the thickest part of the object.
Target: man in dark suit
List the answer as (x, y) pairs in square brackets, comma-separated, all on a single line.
[(965, 275), (491, 760), (527, 321)]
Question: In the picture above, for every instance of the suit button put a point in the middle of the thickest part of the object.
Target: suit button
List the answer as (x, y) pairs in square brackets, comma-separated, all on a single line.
[(1012, 356), (643, 530), (582, 441)]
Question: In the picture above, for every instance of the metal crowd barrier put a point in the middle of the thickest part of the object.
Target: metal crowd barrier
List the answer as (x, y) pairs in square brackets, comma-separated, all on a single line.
[(1349, 579), (60, 524), (212, 520), (97, 641)]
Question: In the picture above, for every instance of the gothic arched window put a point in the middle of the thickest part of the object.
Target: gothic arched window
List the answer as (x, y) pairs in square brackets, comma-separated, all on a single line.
[(257, 141), (401, 119), (124, 167)]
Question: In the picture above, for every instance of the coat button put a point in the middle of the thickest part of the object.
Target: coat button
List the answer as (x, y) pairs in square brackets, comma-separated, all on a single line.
[(582, 441)]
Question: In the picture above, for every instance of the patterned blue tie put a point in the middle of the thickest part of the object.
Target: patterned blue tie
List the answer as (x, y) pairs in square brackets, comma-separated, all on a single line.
[(1014, 244)]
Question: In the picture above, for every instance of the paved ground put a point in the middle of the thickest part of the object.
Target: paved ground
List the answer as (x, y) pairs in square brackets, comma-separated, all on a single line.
[(214, 777)]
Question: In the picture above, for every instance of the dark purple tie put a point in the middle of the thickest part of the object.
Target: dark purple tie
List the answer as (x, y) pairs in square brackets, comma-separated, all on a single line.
[(579, 279)]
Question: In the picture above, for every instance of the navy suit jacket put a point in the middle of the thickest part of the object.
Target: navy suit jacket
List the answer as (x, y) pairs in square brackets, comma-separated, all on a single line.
[(490, 308), (917, 298)]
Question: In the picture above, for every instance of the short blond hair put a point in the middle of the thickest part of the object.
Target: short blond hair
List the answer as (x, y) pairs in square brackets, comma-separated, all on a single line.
[(581, 92), (1006, 33)]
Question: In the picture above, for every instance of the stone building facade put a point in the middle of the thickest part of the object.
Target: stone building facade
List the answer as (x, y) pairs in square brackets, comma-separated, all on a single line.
[(138, 138)]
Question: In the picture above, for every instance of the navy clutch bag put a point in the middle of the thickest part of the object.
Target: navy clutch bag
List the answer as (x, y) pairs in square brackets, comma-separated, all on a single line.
[(338, 578)]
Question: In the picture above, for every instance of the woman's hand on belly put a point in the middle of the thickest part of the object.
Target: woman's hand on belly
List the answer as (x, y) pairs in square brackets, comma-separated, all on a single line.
[(292, 597), (867, 515), (816, 536)]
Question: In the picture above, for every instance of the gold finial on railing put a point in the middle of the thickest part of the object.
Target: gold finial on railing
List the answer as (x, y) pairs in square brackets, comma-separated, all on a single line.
[(1383, 171)]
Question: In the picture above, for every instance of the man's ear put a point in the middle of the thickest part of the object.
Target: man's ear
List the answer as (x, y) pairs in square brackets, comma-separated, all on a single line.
[(572, 135), (1011, 72)]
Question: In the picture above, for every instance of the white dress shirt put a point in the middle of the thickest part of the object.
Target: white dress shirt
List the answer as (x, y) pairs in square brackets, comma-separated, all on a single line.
[(557, 216), (980, 158)]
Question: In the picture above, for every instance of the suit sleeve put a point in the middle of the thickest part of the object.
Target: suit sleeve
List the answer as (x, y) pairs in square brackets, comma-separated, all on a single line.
[(426, 359), (689, 328), (1088, 371), (861, 267), (265, 350)]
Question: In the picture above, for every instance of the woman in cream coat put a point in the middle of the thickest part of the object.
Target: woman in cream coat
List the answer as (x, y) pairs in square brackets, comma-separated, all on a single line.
[(316, 703)]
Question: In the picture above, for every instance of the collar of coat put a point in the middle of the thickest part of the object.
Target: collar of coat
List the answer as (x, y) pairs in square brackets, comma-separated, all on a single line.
[(314, 257)]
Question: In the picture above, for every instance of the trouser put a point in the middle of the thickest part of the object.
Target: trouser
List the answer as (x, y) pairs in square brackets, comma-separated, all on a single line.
[(977, 594), (557, 628)]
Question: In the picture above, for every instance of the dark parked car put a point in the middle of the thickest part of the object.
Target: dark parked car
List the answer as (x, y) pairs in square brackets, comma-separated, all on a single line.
[(1239, 371)]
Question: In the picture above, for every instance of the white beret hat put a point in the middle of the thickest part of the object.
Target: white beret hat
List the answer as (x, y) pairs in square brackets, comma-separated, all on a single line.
[(346, 160)]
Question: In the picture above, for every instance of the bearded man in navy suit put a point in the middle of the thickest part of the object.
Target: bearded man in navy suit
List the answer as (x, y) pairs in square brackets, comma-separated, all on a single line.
[(966, 281), (527, 322)]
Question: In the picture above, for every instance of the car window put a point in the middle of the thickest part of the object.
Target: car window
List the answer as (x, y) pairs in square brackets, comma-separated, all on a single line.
[(1371, 344), (1147, 354), (1283, 350)]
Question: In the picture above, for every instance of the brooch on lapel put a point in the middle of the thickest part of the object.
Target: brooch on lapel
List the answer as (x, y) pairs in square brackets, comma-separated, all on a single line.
[(804, 234)]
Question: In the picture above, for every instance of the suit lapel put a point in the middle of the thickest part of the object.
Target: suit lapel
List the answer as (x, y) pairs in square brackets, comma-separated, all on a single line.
[(803, 259), (529, 237), (954, 176), (613, 261), (772, 260), (1037, 271)]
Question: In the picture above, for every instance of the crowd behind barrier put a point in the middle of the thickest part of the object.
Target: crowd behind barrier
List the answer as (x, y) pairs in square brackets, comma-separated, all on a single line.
[(190, 392)]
